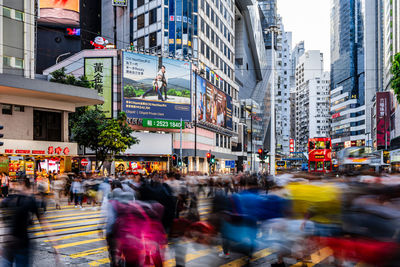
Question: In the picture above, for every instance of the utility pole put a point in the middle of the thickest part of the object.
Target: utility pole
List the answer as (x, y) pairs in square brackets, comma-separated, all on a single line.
[(273, 30), (180, 147), (195, 122)]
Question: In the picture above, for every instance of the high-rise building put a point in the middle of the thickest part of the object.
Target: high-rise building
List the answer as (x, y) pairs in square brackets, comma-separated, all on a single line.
[(312, 99), (269, 11), (202, 32), (282, 94), (297, 52), (17, 38), (252, 75), (347, 72)]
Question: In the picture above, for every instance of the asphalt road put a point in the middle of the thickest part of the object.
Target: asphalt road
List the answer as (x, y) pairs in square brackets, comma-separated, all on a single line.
[(79, 243)]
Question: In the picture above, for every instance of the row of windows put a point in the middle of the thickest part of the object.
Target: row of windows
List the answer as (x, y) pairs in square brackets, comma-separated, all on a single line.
[(206, 51), (141, 2), (219, 6), (8, 109), (222, 141), (152, 18), (13, 62), (152, 41), (13, 14)]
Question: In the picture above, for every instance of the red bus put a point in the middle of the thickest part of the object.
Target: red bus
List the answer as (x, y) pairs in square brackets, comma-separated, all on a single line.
[(320, 155)]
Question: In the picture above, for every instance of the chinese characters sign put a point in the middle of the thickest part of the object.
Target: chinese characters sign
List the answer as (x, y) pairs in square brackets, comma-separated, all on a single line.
[(383, 119), (99, 72)]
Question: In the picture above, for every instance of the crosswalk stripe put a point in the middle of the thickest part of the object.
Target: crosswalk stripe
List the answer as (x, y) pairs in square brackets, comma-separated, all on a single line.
[(74, 235), (89, 252), (60, 224), (72, 214), (243, 261), (71, 219), (167, 263), (316, 257), (73, 244), (66, 229)]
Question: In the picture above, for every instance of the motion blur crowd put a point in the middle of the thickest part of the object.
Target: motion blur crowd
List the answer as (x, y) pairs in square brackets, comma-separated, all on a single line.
[(341, 221)]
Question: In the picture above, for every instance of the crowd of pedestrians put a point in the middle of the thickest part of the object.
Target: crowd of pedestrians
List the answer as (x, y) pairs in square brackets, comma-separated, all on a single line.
[(143, 215)]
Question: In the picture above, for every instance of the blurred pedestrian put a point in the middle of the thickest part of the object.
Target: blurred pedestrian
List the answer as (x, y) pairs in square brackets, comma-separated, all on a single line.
[(77, 191), (20, 208), (4, 184), (58, 187)]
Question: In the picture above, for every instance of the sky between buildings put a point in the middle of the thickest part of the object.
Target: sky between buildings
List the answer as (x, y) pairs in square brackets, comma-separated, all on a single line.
[(308, 20)]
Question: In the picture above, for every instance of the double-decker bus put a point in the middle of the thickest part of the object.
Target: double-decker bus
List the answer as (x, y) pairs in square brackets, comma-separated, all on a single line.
[(320, 155)]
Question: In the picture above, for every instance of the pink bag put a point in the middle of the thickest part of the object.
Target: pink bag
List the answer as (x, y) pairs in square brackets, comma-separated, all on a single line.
[(140, 238)]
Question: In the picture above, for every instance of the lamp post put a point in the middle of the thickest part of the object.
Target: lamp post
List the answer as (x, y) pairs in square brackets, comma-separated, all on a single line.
[(273, 30)]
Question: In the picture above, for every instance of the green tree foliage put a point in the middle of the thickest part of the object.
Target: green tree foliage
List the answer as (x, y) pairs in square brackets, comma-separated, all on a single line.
[(107, 137), (59, 76), (395, 83)]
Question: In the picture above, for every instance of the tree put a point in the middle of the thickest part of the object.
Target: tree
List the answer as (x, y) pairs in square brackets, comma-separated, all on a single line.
[(59, 76), (395, 83), (107, 137)]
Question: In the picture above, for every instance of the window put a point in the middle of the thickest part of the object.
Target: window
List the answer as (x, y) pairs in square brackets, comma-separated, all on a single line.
[(153, 39), (140, 42), (19, 63), (6, 109), (153, 16), (19, 108), (140, 22), (207, 10), (6, 12), (7, 61), (217, 139), (202, 25), (19, 15), (46, 126), (140, 3)]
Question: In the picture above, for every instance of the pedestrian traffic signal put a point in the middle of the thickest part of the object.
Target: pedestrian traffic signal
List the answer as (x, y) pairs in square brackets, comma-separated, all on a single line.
[(208, 158), (212, 159), (174, 160), (1, 135), (260, 153)]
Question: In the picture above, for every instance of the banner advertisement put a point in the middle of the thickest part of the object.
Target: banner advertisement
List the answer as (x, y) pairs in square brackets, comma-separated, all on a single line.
[(383, 119), (65, 12), (156, 90), (99, 71), (201, 98), (228, 118)]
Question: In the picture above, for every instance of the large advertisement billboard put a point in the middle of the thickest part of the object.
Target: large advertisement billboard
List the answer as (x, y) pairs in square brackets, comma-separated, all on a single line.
[(213, 105), (382, 119), (155, 89), (65, 12), (100, 71)]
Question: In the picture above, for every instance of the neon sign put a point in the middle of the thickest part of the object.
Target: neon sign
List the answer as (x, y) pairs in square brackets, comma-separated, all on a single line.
[(73, 31)]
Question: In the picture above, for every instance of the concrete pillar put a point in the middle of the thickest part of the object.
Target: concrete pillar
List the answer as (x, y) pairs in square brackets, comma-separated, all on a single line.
[(64, 127)]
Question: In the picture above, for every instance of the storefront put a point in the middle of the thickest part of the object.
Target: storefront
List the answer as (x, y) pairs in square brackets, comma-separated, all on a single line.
[(25, 157), (395, 160)]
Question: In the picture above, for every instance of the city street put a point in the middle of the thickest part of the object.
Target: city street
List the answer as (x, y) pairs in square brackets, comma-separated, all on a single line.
[(79, 244)]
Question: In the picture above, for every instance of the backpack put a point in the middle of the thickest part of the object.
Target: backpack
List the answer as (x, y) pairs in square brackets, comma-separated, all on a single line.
[(139, 235)]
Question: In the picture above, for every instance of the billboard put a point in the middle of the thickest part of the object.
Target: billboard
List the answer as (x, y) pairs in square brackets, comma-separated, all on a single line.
[(156, 90), (383, 119), (99, 71), (64, 12), (119, 3), (213, 105)]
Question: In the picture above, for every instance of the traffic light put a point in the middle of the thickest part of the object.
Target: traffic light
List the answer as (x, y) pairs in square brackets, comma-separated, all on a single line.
[(174, 160), (212, 159), (260, 153), (1, 135), (208, 158), (186, 161), (265, 154), (179, 162)]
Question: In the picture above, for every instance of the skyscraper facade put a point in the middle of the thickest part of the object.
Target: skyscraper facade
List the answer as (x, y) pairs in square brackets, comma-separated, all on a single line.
[(347, 72)]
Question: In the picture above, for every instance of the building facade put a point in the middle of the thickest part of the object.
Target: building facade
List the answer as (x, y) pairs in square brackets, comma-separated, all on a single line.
[(17, 38), (312, 99), (347, 72)]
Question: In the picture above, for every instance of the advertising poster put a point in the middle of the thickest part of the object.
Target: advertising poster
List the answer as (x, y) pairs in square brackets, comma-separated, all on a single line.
[(156, 91), (229, 110), (65, 12), (201, 99), (382, 119), (99, 71), (215, 106)]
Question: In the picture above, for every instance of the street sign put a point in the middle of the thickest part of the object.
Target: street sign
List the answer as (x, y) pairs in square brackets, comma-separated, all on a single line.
[(158, 123), (230, 164), (119, 3), (84, 162)]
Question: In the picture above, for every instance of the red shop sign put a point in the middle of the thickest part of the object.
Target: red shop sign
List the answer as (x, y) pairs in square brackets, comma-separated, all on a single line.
[(22, 151), (41, 152), (9, 151)]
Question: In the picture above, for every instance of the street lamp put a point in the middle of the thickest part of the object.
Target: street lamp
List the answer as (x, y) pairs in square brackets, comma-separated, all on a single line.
[(273, 29), (65, 54)]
